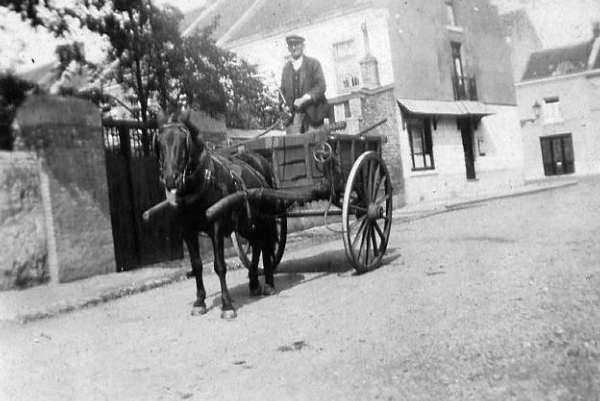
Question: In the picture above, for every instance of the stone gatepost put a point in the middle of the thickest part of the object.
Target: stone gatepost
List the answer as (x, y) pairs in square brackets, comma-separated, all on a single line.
[(66, 135)]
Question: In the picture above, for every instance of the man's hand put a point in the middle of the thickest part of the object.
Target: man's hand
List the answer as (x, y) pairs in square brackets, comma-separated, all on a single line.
[(298, 103)]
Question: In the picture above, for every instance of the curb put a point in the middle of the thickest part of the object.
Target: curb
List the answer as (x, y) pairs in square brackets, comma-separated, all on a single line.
[(109, 295), (456, 205)]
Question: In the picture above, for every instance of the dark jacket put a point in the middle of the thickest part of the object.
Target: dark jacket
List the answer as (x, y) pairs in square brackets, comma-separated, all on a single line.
[(312, 81)]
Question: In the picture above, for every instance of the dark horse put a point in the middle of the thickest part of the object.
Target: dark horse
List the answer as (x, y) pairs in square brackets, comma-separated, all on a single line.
[(194, 179)]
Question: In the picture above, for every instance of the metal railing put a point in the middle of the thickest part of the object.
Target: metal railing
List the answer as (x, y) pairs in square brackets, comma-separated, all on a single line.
[(465, 88)]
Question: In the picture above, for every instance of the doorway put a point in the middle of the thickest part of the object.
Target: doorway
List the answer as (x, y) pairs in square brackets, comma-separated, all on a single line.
[(466, 131), (557, 154)]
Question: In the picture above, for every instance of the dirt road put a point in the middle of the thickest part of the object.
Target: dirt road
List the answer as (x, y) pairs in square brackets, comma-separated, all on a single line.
[(499, 301)]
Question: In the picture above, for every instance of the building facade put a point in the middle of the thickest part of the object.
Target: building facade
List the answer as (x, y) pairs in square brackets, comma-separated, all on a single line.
[(438, 71), (559, 108)]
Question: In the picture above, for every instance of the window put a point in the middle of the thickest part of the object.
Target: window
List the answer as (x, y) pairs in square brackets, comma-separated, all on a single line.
[(342, 111), (450, 14), (457, 59), (552, 110), (346, 65), (557, 154), (421, 144)]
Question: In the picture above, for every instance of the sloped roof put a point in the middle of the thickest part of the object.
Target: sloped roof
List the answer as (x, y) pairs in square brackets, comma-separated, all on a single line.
[(227, 11), (559, 61), (262, 16), (40, 75), (447, 108), (273, 15)]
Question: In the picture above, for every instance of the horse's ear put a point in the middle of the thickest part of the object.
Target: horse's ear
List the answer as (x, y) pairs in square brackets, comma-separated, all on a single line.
[(161, 118)]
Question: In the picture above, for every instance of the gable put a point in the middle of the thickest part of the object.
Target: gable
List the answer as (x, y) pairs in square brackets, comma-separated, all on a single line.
[(558, 61)]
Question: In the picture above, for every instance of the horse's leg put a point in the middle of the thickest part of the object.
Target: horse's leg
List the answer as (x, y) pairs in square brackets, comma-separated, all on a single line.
[(268, 252), (191, 241), (217, 237), (254, 283)]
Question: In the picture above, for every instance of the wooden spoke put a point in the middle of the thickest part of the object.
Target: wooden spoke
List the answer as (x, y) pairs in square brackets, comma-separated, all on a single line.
[(374, 241), (379, 232), (357, 222), (384, 198), (362, 243), (361, 229), (378, 184), (368, 235), (369, 183), (359, 208)]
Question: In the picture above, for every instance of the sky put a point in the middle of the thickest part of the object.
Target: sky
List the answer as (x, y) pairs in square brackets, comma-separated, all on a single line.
[(558, 22)]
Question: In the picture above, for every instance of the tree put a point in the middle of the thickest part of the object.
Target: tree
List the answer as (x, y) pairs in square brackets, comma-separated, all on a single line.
[(160, 66), (144, 40), (218, 81), (12, 93)]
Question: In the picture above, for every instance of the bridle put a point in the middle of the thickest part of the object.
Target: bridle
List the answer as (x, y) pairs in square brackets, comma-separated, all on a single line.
[(187, 169)]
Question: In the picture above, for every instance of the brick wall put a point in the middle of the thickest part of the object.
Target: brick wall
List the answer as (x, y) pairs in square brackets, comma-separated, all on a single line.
[(66, 135)]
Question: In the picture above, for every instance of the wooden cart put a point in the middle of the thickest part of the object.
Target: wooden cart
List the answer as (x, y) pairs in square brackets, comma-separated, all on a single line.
[(347, 171)]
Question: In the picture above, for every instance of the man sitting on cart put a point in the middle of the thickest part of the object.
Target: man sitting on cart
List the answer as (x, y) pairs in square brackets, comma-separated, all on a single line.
[(303, 89)]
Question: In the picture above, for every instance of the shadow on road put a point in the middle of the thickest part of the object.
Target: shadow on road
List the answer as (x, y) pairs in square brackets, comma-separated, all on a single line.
[(290, 274)]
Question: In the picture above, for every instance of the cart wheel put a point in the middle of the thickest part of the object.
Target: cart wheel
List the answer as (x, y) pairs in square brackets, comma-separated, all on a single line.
[(244, 250), (367, 212)]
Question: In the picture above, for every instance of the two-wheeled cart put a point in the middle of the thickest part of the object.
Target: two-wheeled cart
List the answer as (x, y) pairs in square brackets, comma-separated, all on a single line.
[(347, 171)]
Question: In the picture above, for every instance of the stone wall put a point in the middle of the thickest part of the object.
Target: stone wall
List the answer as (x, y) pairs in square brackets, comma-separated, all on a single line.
[(66, 135), (376, 106), (23, 254)]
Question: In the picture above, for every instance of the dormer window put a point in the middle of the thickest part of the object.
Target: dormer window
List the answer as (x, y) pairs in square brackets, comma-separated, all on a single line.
[(552, 110), (450, 14)]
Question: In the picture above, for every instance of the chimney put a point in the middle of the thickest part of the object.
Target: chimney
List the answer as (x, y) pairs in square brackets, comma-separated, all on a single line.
[(368, 64), (596, 29)]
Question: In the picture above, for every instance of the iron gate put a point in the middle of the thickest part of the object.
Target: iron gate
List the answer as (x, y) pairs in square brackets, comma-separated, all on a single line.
[(133, 186)]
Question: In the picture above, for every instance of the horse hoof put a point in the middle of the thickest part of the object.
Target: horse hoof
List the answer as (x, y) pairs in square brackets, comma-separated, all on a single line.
[(228, 314), (268, 290), (256, 292), (198, 310)]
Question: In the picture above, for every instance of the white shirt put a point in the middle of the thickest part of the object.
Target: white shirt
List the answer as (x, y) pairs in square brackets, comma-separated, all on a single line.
[(297, 63)]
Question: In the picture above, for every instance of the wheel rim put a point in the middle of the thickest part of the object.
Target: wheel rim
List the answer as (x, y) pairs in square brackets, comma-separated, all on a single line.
[(367, 212), (244, 250)]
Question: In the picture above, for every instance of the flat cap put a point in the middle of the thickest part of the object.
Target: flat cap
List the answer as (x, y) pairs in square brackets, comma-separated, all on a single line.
[(294, 39)]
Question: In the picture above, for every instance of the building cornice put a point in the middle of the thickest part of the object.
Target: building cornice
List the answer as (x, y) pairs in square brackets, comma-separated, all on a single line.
[(360, 92), (582, 74)]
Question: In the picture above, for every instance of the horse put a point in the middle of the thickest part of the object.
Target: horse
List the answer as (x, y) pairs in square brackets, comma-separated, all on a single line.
[(195, 178)]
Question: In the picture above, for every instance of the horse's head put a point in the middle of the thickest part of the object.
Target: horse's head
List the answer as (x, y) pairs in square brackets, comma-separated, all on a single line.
[(177, 146)]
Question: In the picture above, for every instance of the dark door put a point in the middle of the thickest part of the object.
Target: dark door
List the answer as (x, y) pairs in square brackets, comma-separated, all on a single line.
[(133, 186), (466, 131), (557, 154)]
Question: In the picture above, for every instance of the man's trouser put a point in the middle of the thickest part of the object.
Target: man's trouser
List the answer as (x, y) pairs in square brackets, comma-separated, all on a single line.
[(296, 127)]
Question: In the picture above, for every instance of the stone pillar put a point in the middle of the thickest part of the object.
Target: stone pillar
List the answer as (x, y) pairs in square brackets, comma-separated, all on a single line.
[(377, 105), (66, 135)]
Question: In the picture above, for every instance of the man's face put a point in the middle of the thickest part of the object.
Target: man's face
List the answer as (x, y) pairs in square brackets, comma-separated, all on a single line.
[(296, 49)]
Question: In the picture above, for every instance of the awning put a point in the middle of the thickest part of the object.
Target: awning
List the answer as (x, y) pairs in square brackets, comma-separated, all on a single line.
[(440, 107)]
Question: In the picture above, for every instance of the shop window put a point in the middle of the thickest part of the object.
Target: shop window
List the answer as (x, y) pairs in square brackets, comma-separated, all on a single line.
[(421, 143)]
